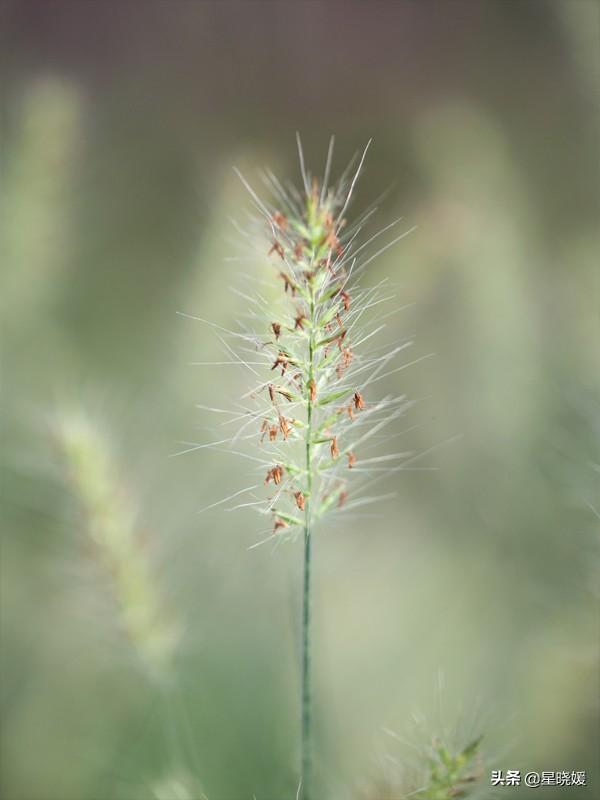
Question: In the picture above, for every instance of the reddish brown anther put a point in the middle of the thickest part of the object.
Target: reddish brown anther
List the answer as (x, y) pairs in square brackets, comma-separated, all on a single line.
[(288, 284), (275, 474), (333, 243), (280, 220), (334, 448), (284, 426), (342, 498), (344, 362), (281, 361), (284, 393), (276, 328), (312, 390), (346, 300), (351, 460), (299, 321), (299, 498), (298, 251), (279, 524), (358, 401), (315, 189), (275, 390), (277, 248), (330, 238), (264, 428), (272, 433)]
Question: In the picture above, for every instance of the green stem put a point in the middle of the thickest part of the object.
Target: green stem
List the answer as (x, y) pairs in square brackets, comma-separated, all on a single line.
[(306, 768), (306, 703)]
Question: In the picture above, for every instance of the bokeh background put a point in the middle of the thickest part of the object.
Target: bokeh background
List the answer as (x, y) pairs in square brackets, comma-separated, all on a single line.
[(146, 652)]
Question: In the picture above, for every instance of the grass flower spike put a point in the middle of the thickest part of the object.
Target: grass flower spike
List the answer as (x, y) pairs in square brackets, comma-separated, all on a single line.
[(306, 340), (110, 519)]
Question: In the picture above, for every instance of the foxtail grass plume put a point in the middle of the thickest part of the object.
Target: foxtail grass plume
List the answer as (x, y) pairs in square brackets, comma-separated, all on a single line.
[(306, 344), (110, 520)]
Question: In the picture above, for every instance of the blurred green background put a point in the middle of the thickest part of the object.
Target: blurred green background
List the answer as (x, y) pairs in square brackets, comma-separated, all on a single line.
[(145, 651)]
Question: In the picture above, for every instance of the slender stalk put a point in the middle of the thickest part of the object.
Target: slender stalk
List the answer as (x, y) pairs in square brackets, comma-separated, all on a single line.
[(306, 694), (307, 343), (306, 768)]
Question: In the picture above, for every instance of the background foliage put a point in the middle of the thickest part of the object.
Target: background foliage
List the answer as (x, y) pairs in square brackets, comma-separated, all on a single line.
[(466, 605)]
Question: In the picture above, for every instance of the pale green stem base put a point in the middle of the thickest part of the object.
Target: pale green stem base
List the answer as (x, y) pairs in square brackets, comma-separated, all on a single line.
[(306, 693)]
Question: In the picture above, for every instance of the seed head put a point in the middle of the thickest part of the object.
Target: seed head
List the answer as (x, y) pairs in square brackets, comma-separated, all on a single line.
[(316, 321)]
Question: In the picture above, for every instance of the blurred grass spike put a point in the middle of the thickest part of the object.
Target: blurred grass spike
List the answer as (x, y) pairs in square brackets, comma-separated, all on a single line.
[(452, 774), (436, 771), (110, 518)]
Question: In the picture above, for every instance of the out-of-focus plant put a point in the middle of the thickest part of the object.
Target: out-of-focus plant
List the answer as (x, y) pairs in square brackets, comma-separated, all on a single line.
[(38, 194), (441, 772), (110, 520), (451, 774)]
